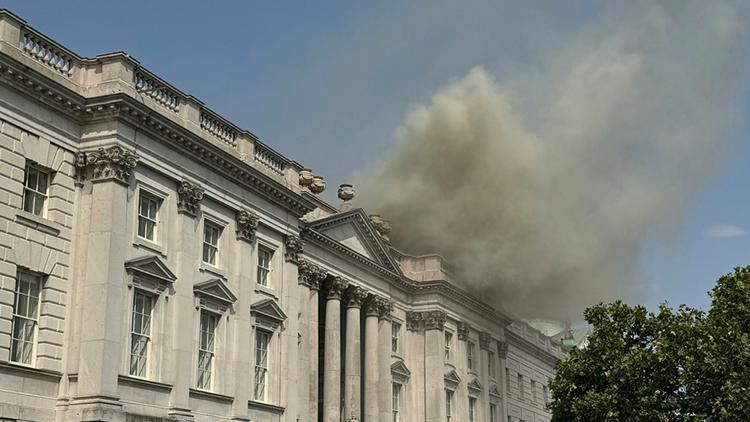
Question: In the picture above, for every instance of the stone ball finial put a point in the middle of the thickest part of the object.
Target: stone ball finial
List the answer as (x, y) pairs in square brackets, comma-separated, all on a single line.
[(318, 185), (305, 177)]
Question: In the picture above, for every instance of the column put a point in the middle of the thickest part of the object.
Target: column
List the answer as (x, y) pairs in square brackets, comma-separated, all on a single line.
[(310, 276), (485, 340), (181, 365), (502, 352), (434, 322), (372, 364), (384, 360), (332, 358), (353, 365), (103, 287)]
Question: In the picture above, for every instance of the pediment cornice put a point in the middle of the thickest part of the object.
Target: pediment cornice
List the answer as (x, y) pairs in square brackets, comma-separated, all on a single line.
[(151, 267)]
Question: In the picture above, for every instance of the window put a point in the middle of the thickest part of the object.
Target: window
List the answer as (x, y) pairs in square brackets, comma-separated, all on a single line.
[(206, 350), (140, 333), (396, 402), (448, 405), (262, 339), (491, 364), (545, 394), (470, 355), (533, 391), (472, 408), (264, 265), (395, 334), (493, 413), (520, 387), (35, 185), (25, 316), (448, 345), (211, 234), (507, 380), (148, 207)]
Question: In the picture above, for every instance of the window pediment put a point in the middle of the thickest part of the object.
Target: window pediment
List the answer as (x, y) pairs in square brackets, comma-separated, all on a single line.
[(400, 372), (494, 391), (452, 380), (268, 311), (475, 387), (150, 267), (215, 291)]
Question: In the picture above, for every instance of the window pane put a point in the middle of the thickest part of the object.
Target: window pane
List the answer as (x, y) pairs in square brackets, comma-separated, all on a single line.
[(31, 178), (42, 183)]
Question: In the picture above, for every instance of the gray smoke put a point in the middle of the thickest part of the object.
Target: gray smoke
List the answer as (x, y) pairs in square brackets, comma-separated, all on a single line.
[(540, 187)]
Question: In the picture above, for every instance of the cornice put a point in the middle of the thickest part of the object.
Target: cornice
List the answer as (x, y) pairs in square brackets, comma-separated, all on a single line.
[(531, 348)]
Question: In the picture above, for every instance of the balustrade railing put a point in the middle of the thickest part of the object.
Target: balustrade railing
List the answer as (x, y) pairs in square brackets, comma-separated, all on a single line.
[(269, 159), (47, 54), (157, 91), (213, 125)]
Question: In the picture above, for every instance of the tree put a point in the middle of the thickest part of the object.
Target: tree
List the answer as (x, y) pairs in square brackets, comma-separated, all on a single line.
[(671, 365)]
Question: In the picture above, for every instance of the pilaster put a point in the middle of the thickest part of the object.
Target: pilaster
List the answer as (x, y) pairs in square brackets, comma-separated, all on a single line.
[(332, 358), (385, 405), (372, 360), (432, 323), (352, 375)]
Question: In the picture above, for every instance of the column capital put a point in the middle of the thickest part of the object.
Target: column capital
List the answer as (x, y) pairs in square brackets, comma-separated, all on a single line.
[(247, 223), (372, 306), (385, 307), (463, 330), (111, 163), (502, 349), (426, 320), (293, 247), (336, 287), (310, 274), (189, 198), (355, 296), (484, 340)]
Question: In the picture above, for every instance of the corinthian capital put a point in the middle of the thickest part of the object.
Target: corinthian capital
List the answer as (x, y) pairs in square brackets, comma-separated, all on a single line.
[(484, 340), (113, 163), (426, 320), (294, 248), (310, 274), (336, 287), (356, 296), (247, 224), (189, 197)]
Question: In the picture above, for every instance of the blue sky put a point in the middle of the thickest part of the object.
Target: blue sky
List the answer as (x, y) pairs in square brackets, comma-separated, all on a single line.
[(328, 84)]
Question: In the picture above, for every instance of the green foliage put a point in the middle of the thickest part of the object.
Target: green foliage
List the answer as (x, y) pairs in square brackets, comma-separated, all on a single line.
[(671, 365)]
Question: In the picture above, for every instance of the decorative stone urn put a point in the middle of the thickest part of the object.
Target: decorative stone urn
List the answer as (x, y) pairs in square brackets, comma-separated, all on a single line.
[(318, 185), (346, 192), (305, 177)]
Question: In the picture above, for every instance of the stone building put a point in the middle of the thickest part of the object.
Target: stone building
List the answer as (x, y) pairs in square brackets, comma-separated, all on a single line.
[(158, 262)]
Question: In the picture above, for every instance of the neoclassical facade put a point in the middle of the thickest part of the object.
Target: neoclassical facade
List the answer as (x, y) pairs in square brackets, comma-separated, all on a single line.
[(159, 263)]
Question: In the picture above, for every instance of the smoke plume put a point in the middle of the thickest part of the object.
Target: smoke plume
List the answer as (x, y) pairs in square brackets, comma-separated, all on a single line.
[(540, 186)]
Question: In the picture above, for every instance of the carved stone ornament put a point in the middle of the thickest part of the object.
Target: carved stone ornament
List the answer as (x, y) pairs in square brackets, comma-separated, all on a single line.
[(112, 163), (189, 197), (247, 224), (463, 331), (385, 307), (305, 177), (294, 247), (356, 296), (336, 287), (502, 349), (310, 274), (426, 320), (318, 185), (372, 306), (484, 340)]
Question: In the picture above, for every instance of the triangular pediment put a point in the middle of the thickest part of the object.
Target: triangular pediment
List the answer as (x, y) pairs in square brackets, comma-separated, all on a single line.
[(399, 368), (494, 391), (152, 267), (452, 379), (269, 309), (474, 385), (353, 230), (215, 289)]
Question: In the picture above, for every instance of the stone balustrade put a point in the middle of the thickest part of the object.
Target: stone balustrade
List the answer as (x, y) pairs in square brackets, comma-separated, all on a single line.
[(48, 53), (159, 92), (213, 124), (269, 158)]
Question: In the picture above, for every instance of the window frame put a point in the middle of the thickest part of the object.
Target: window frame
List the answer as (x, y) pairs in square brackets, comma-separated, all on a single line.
[(210, 224), (149, 337), (395, 337), (472, 409), (216, 318), (39, 281), (491, 364), (35, 192), (448, 346), (268, 335), (155, 220), (396, 390), (262, 249), (470, 361), (449, 407), (493, 412)]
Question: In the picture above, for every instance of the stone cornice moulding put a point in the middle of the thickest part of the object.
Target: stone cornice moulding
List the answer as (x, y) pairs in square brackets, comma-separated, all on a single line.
[(532, 349)]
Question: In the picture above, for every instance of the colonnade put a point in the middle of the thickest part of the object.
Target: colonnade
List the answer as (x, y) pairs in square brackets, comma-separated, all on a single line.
[(347, 405)]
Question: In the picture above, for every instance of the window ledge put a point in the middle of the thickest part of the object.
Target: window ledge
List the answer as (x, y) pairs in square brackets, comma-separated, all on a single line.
[(279, 410), (144, 382), (30, 370), (208, 268), (149, 245), (211, 395), (266, 291), (39, 223)]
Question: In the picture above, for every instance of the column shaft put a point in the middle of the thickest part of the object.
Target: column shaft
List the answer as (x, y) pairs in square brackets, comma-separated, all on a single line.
[(384, 367), (332, 358), (353, 366), (314, 344), (372, 366)]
